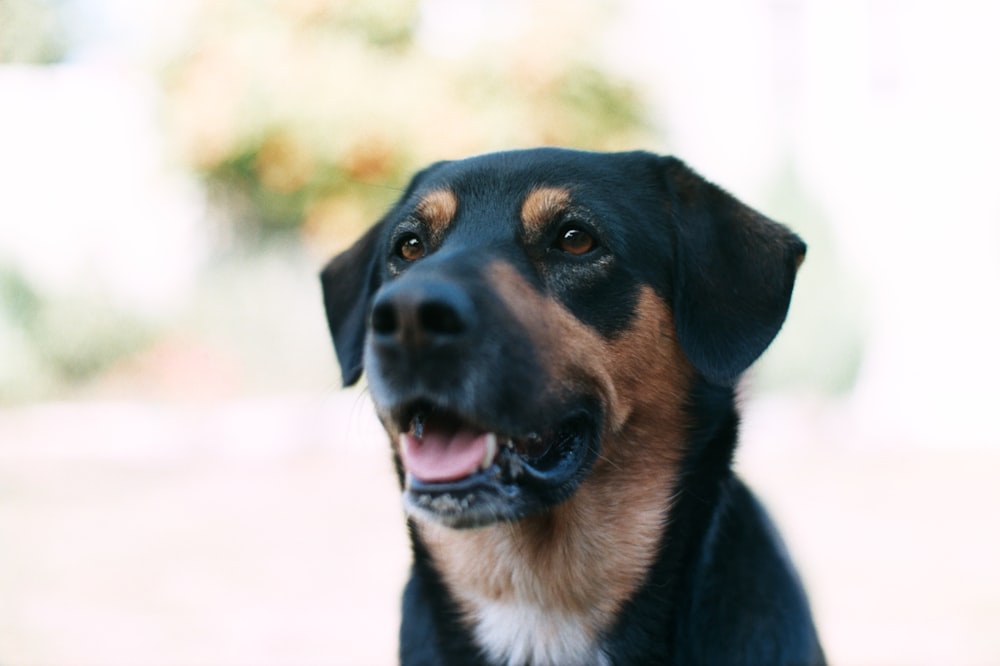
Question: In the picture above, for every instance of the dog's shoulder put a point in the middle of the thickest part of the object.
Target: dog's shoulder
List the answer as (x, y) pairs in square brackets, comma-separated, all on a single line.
[(744, 600)]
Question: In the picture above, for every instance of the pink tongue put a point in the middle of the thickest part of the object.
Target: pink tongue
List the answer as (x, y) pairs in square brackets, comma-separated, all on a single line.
[(442, 455)]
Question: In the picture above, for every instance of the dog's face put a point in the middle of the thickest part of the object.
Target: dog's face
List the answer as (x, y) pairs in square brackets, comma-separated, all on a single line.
[(523, 316)]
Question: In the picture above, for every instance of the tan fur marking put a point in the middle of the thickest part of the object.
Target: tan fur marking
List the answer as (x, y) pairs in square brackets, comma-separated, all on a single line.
[(437, 210), (587, 556), (540, 206)]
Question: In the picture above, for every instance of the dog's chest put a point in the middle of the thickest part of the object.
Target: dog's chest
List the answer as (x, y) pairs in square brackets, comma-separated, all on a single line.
[(514, 634)]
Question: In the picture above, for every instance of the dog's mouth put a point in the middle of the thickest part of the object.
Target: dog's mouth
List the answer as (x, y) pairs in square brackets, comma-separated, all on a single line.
[(465, 474), (440, 447)]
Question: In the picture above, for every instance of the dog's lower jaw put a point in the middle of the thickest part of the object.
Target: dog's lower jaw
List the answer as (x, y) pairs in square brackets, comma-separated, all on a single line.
[(511, 483)]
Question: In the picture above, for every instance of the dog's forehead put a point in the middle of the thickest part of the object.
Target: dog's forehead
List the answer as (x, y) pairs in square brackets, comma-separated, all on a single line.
[(530, 186), (519, 171)]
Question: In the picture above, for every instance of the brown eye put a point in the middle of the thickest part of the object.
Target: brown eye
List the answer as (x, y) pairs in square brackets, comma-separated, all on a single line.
[(575, 240), (410, 248)]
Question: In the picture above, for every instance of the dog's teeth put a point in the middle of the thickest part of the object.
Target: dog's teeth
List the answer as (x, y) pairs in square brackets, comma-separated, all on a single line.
[(491, 451)]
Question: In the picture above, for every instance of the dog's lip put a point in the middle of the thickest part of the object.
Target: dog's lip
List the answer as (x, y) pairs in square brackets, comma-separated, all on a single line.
[(438, 447)]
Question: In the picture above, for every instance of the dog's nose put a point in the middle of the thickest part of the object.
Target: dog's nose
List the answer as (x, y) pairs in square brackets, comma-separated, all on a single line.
[(421, 314)]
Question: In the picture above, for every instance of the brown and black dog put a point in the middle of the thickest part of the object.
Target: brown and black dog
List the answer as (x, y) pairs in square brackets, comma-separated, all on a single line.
[(552, 339)]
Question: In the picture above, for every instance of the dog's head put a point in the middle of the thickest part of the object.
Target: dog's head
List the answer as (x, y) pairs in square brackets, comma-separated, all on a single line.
[(521, 315)]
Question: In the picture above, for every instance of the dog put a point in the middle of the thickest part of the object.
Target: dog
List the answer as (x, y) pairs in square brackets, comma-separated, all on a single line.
[(552, 340)]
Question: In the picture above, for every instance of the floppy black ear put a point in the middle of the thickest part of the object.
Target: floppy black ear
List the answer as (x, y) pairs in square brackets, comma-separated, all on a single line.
[(733, 275), (349, 282)]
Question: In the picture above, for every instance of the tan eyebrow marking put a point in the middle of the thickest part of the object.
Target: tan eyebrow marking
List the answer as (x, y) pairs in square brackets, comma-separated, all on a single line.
[(437, 210), (540, 207)]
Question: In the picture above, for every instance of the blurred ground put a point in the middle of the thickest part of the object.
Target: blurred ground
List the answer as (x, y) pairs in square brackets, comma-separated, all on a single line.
[(268, 532)]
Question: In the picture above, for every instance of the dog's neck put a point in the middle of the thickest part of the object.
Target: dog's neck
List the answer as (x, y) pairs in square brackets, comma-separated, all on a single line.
[(544, 590)]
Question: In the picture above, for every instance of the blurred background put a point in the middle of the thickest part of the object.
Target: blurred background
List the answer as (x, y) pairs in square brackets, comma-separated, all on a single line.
[(182, 480)]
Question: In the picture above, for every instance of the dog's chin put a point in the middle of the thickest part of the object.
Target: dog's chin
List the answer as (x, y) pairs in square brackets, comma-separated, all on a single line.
[(462, 472)]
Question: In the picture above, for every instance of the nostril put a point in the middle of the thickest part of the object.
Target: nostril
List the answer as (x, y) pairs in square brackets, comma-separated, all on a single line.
[(420, 314), (384, 319), (440, 318)]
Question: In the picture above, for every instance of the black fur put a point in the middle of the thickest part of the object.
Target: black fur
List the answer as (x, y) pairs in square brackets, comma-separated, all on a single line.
[(722, 589)]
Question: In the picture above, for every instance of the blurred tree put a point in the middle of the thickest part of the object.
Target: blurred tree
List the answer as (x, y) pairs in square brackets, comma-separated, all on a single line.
[(301, 116), (31, 32)]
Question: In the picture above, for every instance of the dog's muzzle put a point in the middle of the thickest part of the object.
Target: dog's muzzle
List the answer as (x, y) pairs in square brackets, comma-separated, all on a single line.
[(480, 434)]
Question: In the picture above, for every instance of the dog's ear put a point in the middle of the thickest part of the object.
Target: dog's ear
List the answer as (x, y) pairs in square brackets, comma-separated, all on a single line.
[(733, 273), (349, 282)]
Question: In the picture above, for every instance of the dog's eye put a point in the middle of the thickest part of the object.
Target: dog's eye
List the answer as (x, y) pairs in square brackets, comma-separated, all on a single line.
[(410, 247), (574, 240)]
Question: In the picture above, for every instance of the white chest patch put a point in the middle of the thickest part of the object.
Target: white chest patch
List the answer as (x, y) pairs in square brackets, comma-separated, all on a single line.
[(515, 634)]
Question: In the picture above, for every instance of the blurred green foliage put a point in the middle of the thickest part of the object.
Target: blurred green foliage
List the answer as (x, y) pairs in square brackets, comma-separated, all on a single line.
[(303, 116), (32, 32), (56, 342)]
